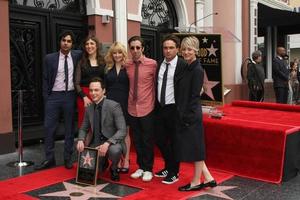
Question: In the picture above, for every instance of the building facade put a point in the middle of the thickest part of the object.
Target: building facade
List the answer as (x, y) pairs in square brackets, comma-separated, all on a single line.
[(112, 20)]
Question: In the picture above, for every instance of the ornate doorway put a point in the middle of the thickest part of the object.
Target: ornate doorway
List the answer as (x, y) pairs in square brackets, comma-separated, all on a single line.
[(34, 29), (158, 18)]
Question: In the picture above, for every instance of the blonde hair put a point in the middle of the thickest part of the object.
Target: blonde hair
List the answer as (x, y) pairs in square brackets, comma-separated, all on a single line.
[(190, 42), (115, 47)]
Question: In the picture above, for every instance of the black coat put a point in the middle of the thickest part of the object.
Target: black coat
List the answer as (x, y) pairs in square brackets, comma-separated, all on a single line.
[(189, 142), (280, 73)]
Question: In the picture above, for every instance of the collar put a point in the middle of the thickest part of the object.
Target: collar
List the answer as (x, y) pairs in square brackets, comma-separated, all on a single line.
[(99, 104), (173, 62), (61, 55), (141, 60)]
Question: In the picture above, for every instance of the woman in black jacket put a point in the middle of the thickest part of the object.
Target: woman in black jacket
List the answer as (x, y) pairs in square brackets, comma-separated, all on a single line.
[(189, 135)]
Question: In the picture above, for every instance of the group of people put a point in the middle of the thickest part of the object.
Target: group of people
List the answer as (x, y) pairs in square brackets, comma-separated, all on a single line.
[(159, 102), (285, 76)]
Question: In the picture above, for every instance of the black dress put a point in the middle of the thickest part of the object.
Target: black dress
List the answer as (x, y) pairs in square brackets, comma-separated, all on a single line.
[(189, 137), (117, 88)]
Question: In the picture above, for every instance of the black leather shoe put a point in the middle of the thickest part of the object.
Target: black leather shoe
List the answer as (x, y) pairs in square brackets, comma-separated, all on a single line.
[(114, 175), (45, 164), (188, 187), (212, 183), (68, 164)]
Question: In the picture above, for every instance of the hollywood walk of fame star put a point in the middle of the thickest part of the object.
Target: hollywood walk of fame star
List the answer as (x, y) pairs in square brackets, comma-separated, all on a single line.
[(76, 192), (87, 159), (204, 40), (208, 85), (212, 50), (217, 192)]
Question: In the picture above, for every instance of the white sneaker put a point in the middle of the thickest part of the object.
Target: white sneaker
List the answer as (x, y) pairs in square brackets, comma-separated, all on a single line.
[(137, 174), (147, 176)]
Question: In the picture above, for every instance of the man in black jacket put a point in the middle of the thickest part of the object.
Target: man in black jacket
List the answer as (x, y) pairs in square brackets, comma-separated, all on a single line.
[(256, 77), (280, 74), (168, 75)]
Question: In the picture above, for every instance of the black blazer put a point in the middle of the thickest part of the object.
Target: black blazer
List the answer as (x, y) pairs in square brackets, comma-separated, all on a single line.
[(50, 70), (280, 73), (179, 71), (189, 87)]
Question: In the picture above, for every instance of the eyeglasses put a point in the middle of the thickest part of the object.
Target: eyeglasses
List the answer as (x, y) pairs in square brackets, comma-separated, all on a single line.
[(135, 47)]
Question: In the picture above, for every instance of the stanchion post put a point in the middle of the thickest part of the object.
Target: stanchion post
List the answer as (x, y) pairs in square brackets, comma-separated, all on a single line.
[(20, 163)]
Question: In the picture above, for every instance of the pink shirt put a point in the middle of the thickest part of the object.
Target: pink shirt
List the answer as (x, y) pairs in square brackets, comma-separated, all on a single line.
[(146, 87)]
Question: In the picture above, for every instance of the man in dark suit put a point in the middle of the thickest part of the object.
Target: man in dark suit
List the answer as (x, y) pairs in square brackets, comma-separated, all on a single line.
[(59, 96), (167, 76), (280, 74), (256, 77), (105, 119)]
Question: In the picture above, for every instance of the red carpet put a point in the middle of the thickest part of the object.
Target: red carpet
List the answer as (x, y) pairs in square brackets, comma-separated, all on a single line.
[(15, 187), (250, 139)]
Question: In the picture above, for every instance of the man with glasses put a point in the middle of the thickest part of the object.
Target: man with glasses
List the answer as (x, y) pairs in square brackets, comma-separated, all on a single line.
[(59, 96), (142, 77)]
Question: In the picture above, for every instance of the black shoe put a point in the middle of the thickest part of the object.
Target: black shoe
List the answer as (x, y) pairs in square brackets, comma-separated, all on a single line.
[(170, 179), (162, 173), (68, 164), (114, 175), (188, 187), (45, 164), (212, 183)]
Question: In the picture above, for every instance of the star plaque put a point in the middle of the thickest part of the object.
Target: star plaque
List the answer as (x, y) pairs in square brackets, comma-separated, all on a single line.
[(87, 169)]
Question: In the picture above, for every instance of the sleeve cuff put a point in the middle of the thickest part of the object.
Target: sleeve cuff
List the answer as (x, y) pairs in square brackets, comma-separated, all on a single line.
[(82, 94)]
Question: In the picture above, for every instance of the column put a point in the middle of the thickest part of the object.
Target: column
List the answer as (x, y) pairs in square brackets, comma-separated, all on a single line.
[(253, 25), (121, 21), (208, 5), (199, 13), (7, 139)]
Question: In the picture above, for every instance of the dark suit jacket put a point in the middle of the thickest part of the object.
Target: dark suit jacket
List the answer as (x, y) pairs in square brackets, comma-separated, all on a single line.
[(179, 71), (113, 124), (280, 73), (50, 70)]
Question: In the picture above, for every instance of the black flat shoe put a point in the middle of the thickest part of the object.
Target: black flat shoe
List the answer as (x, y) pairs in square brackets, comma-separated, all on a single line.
[(188, 187), (114, 175), (212, 183), (45, 165), (68, 164)]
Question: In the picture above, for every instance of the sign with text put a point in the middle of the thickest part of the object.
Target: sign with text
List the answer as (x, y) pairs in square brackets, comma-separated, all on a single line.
[(210, 56), (87, 169)]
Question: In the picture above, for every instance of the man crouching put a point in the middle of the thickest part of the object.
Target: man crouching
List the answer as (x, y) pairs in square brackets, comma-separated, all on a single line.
[(105, 120)]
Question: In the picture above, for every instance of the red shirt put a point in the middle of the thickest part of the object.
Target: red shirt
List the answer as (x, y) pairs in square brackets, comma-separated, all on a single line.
[(146, 87)]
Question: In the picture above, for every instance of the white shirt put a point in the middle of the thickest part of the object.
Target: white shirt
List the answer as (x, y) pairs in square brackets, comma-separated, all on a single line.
[(170, 99), (59, 84)]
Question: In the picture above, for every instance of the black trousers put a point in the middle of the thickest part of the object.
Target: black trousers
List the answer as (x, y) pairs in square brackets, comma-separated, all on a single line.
[(281, 94), (114, 154), (56, 103), (164, 136), (143, 129), (256, 95)]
